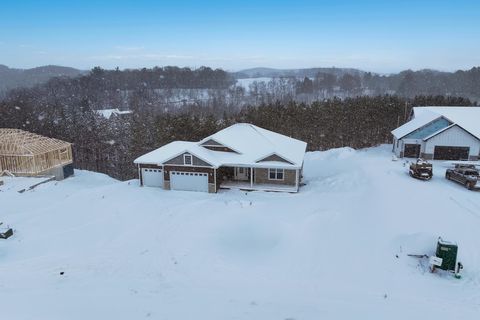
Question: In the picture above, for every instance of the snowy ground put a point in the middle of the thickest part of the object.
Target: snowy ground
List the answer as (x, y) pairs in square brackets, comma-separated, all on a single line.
[(328, 252), (246, 82)]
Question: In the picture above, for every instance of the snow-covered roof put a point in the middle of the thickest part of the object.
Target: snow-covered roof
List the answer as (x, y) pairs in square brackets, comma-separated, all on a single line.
[(250, 143), (172, 149), (417, 122), (467, 118), (107, 113)]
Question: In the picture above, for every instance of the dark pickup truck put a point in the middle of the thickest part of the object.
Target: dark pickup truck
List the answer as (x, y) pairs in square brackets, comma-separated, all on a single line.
[(421, 170), (466, 175)]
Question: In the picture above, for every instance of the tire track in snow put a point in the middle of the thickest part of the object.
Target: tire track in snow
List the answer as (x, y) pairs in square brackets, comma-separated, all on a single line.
[(464, 207)]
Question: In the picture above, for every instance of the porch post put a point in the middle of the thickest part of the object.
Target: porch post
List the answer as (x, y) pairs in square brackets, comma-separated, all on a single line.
[(251, 177), (140, 175), (296, 179), (215, 178)]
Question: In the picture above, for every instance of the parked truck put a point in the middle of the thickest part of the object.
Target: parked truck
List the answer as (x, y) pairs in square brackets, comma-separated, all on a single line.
[(421, 169), (466, 175)]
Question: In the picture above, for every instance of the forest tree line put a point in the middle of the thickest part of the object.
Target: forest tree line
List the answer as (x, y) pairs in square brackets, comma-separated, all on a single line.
[(111, 145), (406, 84), (175, 87)]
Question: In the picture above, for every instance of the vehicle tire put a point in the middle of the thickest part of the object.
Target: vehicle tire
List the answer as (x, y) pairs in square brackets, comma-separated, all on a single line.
[(469, 185), (447, 176)]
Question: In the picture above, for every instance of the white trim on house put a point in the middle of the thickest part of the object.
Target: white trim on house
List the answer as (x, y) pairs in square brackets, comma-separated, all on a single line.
[(185, 156), (215, 178), (455, 136), (184, 165), (466, 117), (296, 178), (464, 130), (250, 144), (274, 154), (140, 174), (192, 165), (220, 144), (447, 128), (277, 171)]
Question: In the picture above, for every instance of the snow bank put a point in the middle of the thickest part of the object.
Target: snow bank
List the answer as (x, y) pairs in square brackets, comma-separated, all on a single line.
[(336, 250)]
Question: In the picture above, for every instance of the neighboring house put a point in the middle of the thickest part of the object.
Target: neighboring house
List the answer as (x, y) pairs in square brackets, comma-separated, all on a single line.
[(108, 113), (242, 156), (443, 133), (27, 154)]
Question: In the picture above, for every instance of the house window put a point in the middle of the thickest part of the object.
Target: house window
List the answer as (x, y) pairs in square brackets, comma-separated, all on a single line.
[(187, 159), (275, 174)]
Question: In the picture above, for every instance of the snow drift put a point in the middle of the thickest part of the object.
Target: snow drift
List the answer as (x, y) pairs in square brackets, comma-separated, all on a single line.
[(336, 250)]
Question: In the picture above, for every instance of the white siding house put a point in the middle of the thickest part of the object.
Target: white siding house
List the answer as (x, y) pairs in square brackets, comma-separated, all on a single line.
[(444, 133), (456, 137)]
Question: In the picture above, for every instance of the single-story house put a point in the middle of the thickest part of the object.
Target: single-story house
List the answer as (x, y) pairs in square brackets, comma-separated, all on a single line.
[(242, 156), (440, 133), (24, 153)]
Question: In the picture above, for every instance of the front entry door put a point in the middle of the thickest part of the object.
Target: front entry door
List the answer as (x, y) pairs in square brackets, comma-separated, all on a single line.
[(241, 173)]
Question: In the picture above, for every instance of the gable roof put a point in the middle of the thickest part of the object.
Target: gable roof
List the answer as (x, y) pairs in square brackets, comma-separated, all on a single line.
[(447, 128), (467, 118), (251, 142), (175, 148), (255, 143), (273, 157), (16, 142), (414, 124)]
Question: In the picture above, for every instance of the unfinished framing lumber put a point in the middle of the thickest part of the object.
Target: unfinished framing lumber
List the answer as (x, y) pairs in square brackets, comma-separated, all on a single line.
[(26, 153)]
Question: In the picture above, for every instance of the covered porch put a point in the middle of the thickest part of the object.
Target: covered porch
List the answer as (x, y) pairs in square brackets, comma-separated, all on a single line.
[(258, 178), (241, 185)]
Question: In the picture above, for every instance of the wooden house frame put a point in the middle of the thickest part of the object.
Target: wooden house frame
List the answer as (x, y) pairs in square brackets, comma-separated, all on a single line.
[(27, 154)]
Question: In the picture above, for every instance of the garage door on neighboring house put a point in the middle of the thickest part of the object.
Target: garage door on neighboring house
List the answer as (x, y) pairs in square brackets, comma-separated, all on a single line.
[(451, 153), (189, 181), (411, 150), (152, 177)]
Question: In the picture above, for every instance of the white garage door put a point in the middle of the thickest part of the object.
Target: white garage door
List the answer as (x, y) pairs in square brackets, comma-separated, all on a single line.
[(190, 181), (152, 177)]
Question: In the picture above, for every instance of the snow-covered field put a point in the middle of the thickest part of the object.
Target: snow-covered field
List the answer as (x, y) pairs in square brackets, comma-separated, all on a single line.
[(336, 250), (246, 82)]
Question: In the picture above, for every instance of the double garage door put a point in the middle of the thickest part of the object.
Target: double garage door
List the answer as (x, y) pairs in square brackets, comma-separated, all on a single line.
[(451, 153), (189, 181), (152, 177)]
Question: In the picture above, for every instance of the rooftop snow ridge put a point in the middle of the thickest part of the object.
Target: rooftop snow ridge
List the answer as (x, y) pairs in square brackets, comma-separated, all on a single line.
[(466, 117), (266, 138), (251, 143)]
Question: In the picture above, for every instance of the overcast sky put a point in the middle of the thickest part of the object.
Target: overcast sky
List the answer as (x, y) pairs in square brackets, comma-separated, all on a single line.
[(381, 36)]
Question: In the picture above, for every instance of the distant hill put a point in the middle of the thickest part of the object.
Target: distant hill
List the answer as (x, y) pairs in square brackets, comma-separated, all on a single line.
[(297, 73), (11, 78)]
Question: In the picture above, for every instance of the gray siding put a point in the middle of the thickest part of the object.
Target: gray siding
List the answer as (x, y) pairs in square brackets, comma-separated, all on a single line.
[(274, 157), (212, 143), (261, 176), (178, 160)]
